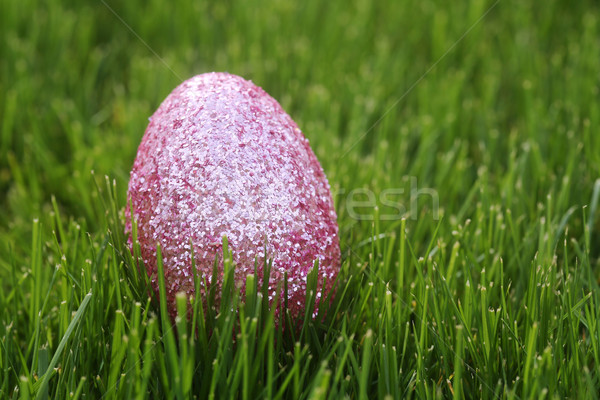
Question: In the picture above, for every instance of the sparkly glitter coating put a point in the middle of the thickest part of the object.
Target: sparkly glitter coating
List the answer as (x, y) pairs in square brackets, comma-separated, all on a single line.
[(219, 158)]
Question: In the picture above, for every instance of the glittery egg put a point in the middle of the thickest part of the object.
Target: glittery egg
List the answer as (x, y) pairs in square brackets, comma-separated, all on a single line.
[(220, 157)]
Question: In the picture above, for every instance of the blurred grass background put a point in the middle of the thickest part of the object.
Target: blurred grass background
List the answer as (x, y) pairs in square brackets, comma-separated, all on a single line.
[(494, 105), (78, 86)]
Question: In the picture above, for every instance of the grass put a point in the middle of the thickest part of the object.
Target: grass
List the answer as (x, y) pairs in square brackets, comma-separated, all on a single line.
[(490, 107)]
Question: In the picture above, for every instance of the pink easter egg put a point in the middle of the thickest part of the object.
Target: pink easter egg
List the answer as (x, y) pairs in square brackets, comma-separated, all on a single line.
[(220, 157)]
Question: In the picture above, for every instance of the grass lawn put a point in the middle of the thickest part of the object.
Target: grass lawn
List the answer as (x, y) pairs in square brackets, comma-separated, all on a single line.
[(462, 144)]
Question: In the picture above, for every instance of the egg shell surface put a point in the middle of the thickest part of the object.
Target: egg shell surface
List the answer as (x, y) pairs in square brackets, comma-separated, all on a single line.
[(220, 157)]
